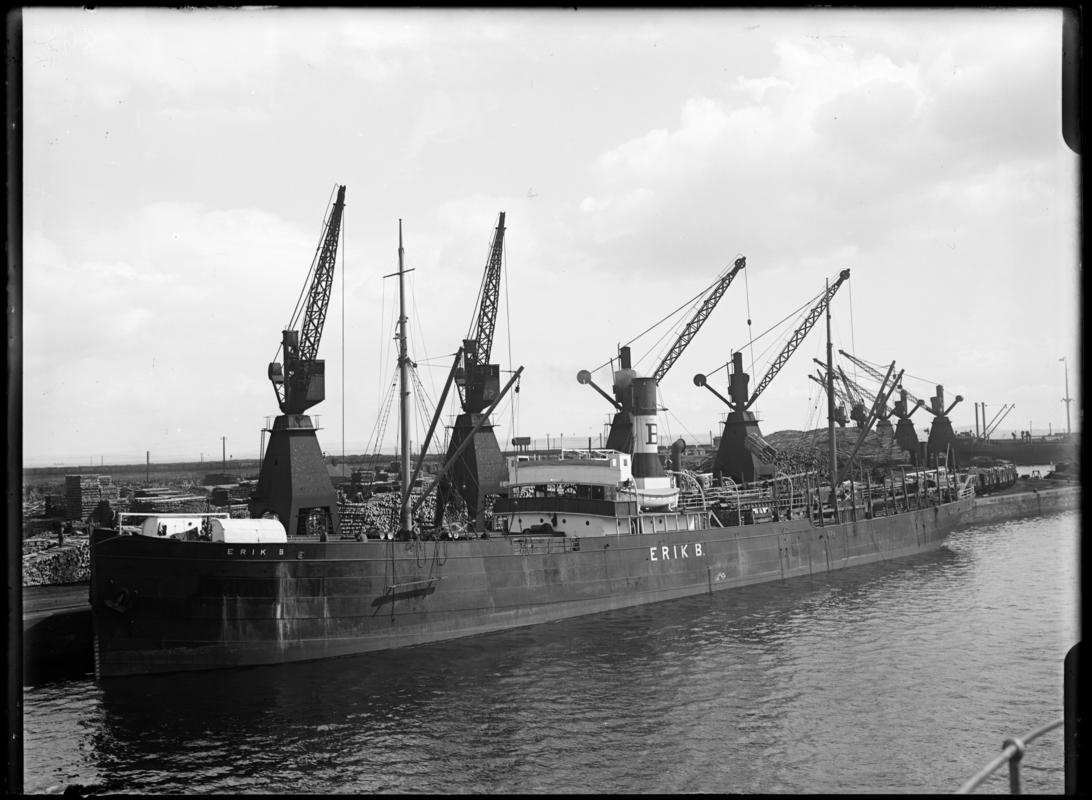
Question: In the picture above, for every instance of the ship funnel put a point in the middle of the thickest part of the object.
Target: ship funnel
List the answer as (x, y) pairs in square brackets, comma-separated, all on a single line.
[(646, 440)]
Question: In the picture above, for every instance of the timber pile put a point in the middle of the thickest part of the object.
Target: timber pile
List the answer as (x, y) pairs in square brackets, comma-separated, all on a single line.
[(36, 543), (153, 491), (56, 506), (169, 504), (807, 450), (231, 495), (69, 563), (84, 492), (39, 527), (381, 511)]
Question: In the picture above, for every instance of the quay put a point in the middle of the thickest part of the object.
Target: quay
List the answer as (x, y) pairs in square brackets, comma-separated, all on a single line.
[(57, 630), (1025, 500)]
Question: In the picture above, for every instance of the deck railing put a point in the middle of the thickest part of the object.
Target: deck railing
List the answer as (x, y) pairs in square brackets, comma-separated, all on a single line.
[(1012, 751)]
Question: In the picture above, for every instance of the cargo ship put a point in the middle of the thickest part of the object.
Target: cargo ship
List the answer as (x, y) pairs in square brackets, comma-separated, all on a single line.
[(581, 533), (1058, 448), (577, 537)]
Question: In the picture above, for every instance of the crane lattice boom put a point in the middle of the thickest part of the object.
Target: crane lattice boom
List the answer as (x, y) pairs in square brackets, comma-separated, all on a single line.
[(319, 298), (875, 373), (798, 336), (490, 296), (477, 379), (698, 320), (300, 382)]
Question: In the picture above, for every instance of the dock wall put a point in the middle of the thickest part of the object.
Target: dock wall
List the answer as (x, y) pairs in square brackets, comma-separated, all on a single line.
[(1031, 502)]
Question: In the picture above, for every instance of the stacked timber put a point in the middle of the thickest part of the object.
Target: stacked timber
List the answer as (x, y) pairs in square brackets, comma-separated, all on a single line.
[(39, 527), (35, 544), (231, 495), (219, 496), (380, 512), (83, 493), (56, 506), (153, 491), (170, 504), (67, 563)]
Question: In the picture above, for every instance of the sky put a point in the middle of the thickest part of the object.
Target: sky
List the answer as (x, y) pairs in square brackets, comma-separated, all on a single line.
[(178, 165)]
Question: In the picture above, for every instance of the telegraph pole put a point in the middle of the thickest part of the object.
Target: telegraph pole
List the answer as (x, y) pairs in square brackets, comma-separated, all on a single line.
[(1067, 398)]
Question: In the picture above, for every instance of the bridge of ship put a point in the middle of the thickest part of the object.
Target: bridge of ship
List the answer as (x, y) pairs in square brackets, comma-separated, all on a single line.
[(590, 493), (587, 493)]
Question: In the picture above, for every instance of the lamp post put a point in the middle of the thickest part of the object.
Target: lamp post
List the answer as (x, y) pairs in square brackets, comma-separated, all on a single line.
[(1067, 398)]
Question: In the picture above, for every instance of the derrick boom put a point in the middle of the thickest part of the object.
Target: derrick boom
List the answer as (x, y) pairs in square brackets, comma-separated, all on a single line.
[(875, 373), (698, 320)]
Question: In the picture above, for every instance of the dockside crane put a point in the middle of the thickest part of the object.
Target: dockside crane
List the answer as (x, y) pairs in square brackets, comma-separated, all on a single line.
[(841, 400), (882, 411), (293, 483), (905, 435), (743, 454), (942, 438), (847, 392), (621, 433), (479, 469), (887, 387)]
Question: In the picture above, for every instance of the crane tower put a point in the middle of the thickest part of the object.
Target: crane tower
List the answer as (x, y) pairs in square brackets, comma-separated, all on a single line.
[(293, 483), (743, 454), (479, 469)]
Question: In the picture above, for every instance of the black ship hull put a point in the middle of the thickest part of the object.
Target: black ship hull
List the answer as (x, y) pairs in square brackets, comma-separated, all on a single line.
[(169, 605)]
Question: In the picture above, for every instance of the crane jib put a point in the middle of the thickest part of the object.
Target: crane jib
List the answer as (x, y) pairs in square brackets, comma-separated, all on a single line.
[(478, 380), (490, 295), (692, 328), (300, 382), (798, 336), (319, 298)]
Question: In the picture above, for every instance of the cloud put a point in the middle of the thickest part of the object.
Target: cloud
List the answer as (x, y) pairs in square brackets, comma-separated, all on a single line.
[(200, 284), (840, 145), (659, 146)]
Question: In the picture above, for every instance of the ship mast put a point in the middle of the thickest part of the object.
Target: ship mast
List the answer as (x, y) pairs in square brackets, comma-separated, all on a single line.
[(830, 415), (403, 370)]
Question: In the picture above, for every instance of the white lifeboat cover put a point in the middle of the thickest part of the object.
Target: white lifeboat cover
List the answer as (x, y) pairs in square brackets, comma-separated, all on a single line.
[(248, 531), (169, 526)]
